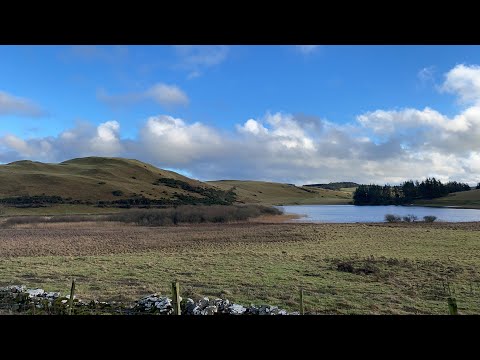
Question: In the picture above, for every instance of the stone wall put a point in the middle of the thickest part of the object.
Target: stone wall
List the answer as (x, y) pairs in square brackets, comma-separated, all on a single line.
[(19, 299)]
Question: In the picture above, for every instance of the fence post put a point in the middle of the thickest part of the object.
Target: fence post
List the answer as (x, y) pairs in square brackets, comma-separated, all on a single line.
[(72, 294), (176, 298), (452, 306), (302, 308)]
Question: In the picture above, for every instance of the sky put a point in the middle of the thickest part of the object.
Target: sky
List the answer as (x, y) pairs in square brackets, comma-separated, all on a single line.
[(295, 114)]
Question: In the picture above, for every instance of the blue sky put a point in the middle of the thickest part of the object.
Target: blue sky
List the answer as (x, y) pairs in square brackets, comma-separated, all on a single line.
[(187, 108)]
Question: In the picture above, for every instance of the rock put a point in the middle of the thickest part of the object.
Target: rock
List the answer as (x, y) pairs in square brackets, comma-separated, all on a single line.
[(197, 311), (203, 303), (188, 306), (13, 289), (52, 295), (35, 292), (236, 309), (209, 310), (252, 310), (273, 310), (264, 310)]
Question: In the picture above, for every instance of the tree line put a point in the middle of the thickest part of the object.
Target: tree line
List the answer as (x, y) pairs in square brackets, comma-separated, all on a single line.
[(406, 192)]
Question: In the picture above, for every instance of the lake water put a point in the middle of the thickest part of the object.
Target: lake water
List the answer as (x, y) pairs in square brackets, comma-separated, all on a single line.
[(352, 213)]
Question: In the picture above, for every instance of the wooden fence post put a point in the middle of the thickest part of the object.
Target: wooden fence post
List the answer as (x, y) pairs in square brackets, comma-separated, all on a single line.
[(302, 308), (72, 294), (176, 298), (452, 306)]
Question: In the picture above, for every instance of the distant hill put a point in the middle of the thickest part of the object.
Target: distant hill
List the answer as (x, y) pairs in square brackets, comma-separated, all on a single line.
[(91, 180), (282, 194), (335, 185), (465, 199)]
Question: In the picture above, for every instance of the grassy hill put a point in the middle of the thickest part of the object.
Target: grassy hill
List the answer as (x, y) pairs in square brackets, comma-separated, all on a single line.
[(282, 194), (92, 179), (465, 199), (335, 185)]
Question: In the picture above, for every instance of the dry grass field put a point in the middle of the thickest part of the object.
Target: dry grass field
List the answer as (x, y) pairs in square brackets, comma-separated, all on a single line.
[(344, 268)]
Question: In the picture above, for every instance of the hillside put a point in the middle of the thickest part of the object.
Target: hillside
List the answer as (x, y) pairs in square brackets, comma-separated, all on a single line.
[(282, 194), (93, 179), (335, 185), (464, 199)]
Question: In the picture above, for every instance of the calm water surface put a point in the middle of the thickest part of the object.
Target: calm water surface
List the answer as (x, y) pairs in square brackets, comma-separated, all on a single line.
[(352, 213)]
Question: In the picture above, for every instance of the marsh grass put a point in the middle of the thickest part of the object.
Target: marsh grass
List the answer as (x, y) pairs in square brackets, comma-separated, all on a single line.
[(186, 214), (194, 214)]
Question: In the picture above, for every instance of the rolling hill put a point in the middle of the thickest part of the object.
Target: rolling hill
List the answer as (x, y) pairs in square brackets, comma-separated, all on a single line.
[(282, 194), (465, 199), (92, 179)]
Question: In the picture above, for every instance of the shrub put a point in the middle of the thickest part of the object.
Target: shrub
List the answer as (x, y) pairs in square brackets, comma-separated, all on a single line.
[(117, 192), (19, 220), (160, 217), (193, 214), (392, 218), (429, 218), (410, 218)]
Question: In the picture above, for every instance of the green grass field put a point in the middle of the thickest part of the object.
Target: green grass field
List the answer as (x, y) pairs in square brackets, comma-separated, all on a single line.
[(283, 194), (396, 269)]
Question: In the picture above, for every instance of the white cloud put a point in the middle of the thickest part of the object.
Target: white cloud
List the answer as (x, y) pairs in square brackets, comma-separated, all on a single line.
[(107, 139), (464, 81), (167, 95), (253, 127), (307, 49), (83, 140), (196, 58), (173, 142), (13, 105)]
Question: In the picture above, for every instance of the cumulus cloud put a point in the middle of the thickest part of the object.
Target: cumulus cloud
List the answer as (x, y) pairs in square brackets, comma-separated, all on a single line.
[(13, 105), (381, 146), (173, 142), (464, 81), (83, 140), (166, 95)]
